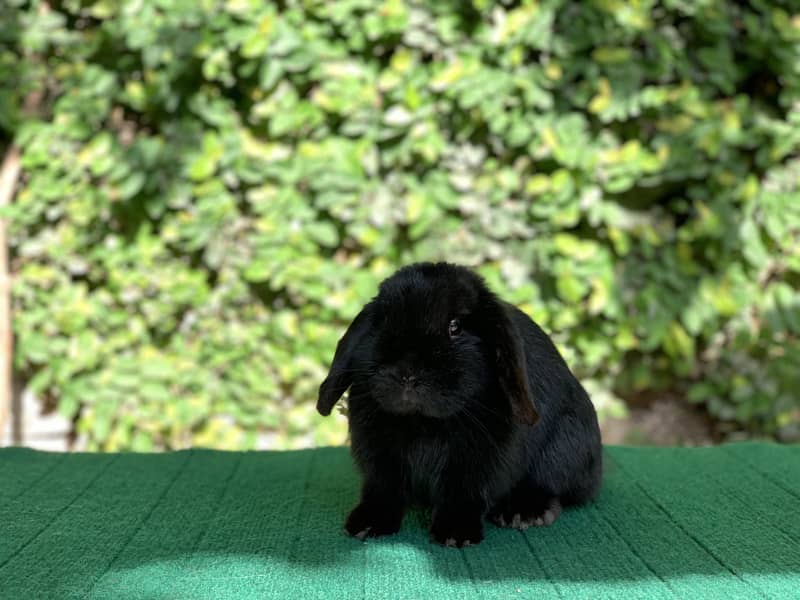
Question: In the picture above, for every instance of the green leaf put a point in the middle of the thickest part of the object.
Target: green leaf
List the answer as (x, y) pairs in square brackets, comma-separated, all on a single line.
[(570, 288), (678, 343), (323, 233)]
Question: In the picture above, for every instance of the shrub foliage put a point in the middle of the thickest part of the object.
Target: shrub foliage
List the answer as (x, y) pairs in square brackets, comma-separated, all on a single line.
[(212, 188)]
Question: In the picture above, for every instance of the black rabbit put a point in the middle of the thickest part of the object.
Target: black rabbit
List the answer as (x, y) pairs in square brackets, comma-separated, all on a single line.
[(459, 402)]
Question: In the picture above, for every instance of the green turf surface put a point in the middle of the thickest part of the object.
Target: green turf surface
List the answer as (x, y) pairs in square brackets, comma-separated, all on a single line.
[(670, 523)]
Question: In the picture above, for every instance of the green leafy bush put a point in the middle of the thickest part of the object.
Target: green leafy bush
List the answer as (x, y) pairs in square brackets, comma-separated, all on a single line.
[(213, 188)]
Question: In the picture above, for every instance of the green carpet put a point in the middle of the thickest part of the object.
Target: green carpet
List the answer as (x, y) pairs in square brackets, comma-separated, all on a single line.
[(670, 523)]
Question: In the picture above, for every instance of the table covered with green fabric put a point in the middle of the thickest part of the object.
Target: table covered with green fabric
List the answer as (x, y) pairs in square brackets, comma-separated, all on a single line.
[(718, 522)]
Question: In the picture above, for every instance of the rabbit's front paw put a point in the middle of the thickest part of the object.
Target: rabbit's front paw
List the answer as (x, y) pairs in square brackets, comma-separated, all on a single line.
[(367, 520), (457, 530)]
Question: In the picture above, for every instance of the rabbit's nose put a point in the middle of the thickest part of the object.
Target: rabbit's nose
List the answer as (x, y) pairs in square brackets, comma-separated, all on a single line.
[(409, 380)]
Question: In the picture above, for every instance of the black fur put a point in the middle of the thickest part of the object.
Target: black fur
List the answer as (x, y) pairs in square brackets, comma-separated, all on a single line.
[(489, 422)]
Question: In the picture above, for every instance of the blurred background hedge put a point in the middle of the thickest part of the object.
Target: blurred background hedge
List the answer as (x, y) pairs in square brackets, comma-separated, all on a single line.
[(211, 189)]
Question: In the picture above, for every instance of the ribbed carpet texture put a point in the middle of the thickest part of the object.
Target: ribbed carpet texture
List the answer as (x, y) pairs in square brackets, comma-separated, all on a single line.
[(718, 522)]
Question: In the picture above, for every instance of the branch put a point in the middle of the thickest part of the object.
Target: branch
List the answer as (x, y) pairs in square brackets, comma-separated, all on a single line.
[(9, 173)]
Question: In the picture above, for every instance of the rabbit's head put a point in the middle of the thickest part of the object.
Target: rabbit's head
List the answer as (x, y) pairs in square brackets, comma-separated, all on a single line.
[(434, 342)]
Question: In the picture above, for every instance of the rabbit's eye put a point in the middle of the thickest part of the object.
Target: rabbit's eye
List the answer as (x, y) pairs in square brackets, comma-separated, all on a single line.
[(454, 329)]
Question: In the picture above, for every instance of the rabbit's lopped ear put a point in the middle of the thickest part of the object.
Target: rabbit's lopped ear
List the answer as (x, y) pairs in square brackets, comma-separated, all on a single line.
[(513, 375), (341, 374)]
